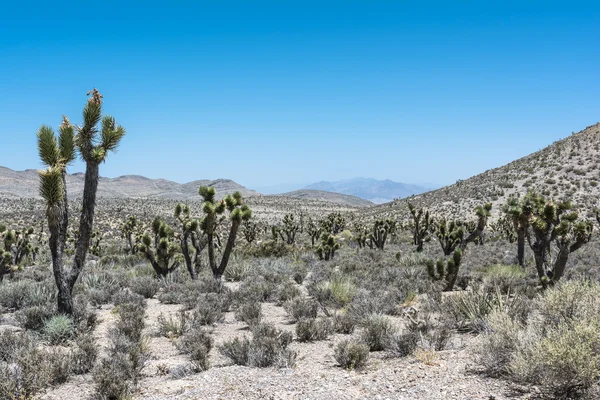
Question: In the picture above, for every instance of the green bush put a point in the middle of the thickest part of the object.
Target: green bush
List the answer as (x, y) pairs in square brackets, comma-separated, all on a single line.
[(59, 329)]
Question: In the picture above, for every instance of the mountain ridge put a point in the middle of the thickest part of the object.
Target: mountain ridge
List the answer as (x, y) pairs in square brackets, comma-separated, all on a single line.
[(373, 190)]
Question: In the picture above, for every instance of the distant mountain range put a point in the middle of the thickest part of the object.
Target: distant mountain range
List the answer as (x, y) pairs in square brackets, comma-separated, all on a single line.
[(359, 192), (373, 190), (21, 184)]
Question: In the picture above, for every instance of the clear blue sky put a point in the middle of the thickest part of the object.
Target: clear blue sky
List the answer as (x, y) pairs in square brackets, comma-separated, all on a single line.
[(269, 92)]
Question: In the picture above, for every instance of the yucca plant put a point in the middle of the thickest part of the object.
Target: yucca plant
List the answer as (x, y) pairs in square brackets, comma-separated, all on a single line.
[(93, 145), (213, 214)]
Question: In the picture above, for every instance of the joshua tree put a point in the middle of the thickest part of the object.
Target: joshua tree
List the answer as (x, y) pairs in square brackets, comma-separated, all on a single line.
[(483, 213), (327, 247), (450, 234), (16, 247), (519, 213), (381, 229), (361, 235), (420, 228), (93, 145), (193, 234), (250, 230), (290, 228), (446, 269), (314, 231), (334, 223), (129, 230), (546, 222), (161, 250), (95, 246), (213, 209)]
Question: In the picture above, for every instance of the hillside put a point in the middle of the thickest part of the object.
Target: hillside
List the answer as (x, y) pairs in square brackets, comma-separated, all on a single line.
[(376, 191), (320, 195), (24, 184), (567, 169)]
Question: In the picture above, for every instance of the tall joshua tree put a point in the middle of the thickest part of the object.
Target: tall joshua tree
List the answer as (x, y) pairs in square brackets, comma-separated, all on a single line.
[(213, 211), (93, 145)]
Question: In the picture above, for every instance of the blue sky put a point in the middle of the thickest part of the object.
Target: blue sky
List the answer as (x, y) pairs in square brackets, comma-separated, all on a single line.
[(270, 92)]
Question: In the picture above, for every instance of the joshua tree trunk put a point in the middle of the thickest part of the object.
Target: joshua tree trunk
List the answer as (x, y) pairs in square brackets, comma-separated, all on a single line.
[(521, 246), (218, 273), (185, 247)]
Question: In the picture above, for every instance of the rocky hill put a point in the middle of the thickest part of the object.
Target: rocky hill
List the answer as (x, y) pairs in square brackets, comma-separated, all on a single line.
[(567, 169), (320, 195), (24, 184)]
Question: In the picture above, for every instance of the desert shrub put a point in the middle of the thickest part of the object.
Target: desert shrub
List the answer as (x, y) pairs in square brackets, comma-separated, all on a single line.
[(238, 270), (300, 308), (363, 305), (377, 331), (311, 329), (131, 321), (172, 327), (351, 355), (402, 344), (128, 297), (208, 309), (112, 378), (507, 278), (59, 329), (558, 347), (59, 364), (337, 291), (146, 286), (267, 348), (269, 249), (250, 313), (343, 323), (84, 317), (84, 355), (34, 317), (98, 296), (24, 368), (299, 272), (22, 294), (170, 293), (117, 374), (286, 292), (127, 261), (197, 343), (237, 350), (470, 309), (255, 289)]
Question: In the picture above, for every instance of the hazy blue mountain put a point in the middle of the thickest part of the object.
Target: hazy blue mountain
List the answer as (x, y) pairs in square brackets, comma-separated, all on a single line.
[(376, 191)]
